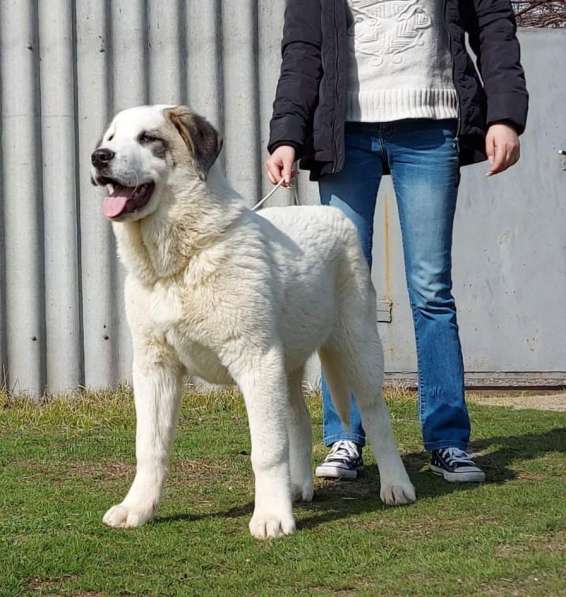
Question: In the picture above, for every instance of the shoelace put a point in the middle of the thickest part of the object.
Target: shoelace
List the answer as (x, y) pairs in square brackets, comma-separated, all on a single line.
[(456, 455), (344, 449)]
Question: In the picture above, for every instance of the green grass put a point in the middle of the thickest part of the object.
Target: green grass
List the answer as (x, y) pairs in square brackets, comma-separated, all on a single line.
[(62, 464)]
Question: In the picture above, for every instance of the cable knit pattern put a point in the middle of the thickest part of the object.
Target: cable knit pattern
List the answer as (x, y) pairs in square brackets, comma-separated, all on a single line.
[(400, 63)]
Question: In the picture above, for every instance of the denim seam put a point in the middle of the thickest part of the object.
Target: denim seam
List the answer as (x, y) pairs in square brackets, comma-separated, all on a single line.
[(419, 370), (419, 361)]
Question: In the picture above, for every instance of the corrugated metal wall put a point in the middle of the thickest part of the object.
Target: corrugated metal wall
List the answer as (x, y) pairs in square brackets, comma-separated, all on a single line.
[(65, 68)]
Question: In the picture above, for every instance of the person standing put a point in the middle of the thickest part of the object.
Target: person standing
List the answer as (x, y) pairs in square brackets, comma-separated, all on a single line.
[(374, 87)]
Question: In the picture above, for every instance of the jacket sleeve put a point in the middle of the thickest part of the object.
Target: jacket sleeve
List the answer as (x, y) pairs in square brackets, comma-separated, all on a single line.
[(494, 41), (301, 70)]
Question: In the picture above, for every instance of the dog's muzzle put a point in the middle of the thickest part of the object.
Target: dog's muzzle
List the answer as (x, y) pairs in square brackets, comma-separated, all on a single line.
[(101, 157)]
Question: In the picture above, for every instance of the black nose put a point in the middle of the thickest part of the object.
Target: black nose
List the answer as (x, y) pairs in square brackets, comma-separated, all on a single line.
[(101, 157)]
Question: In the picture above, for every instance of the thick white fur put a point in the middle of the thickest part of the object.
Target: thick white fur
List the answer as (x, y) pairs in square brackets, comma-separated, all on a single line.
[(218, 291)]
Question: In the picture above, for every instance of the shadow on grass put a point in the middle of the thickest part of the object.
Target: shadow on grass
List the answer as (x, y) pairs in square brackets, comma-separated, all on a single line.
[(335, 500), (496, 463), (517, 447)]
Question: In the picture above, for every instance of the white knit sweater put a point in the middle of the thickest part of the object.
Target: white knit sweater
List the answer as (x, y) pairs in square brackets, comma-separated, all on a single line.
[(400, 63)]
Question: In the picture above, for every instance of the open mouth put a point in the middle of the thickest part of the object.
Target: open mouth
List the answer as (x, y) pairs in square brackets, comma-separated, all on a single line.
[(124, 200)]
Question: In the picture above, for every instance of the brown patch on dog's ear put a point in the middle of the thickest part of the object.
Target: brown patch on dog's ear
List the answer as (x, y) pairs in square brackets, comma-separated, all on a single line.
[(201, 138)]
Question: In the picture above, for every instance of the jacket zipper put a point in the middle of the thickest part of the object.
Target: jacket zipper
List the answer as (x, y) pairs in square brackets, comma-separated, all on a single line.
[(335, 87), (456, 139)]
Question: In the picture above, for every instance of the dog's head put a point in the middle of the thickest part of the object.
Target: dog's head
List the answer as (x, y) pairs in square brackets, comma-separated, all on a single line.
[(142, 148)]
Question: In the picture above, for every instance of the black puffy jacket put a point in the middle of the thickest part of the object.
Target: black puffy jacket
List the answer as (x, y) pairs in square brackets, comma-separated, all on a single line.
[(310, 102)]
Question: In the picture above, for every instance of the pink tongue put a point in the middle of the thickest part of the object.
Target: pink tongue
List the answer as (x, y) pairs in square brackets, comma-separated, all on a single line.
[(115, 205)]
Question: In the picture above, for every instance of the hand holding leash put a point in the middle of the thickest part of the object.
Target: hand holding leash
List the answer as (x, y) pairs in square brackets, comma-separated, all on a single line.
[(279, 165), (279, 184), (279, 168)]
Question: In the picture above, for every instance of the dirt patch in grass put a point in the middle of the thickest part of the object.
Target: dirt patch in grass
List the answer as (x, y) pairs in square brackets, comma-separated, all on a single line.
[(527, 476), (554, 542), (541, 582), (43, 586), (180, 470), (48, 586), (61, 472), (552, 402), (196, 470)]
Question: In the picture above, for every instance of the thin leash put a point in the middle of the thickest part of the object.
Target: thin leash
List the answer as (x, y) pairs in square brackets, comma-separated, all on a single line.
[(293, 186)]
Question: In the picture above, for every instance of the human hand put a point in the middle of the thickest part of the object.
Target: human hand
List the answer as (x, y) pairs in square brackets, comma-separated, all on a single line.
[(502, 147), (279, 165)]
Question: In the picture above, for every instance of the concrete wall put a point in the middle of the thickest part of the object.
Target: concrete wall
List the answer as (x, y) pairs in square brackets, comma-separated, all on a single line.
[(66, 67)]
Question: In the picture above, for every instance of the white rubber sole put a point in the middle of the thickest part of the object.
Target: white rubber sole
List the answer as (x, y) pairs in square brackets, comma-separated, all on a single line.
[(464, 477), (334, 472)]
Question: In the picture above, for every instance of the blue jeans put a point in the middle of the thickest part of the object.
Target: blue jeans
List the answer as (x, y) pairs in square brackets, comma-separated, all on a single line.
[(422, 157)]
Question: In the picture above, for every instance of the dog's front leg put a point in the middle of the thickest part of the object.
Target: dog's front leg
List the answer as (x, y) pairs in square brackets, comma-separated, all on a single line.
[(265, 392), (156, 394)]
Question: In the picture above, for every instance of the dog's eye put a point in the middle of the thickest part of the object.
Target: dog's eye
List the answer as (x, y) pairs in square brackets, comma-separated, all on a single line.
[(111, 137), (145, 138)]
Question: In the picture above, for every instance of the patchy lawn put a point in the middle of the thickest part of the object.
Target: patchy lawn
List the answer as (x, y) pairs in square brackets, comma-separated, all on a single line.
[(62, 464)]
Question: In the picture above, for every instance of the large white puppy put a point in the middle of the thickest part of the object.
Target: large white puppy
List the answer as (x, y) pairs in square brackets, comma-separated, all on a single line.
[(229, 295)]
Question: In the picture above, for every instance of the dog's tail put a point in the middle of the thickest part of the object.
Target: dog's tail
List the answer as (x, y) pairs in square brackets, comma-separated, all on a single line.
[(335, 379)]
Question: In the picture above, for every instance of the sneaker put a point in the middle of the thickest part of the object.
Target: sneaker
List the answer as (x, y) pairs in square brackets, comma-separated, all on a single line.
[(343, 461), (456, 465)]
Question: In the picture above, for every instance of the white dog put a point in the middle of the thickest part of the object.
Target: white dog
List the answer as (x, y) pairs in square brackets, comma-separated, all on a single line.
[(218, 291)]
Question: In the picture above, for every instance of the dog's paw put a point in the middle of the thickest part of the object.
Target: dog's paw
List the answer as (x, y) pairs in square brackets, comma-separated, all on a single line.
[(398, 493), (126, 517), (271, 526)]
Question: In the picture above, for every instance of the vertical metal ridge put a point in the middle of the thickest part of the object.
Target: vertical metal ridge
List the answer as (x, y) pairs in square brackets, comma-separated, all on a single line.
[(37, 122), (182, 51), (270, 19), (220, 84), (257, 90), (3, 334), (109, 53), (94, 108), (240, 99), (164, 67), (76, 182), (41, 299), (203, 59), (145, 48), (129, 42), (60, 216), (22, 208)]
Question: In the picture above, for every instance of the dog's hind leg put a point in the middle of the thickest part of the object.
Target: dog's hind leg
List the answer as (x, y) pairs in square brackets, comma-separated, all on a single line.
[(157, 380), (362, 365), (263, 383), (358, 357), (300, 440), (396, 487)]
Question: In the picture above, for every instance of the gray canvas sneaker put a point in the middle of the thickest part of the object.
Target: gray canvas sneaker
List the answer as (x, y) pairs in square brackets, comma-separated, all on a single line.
[(342, 462), (456, 466)]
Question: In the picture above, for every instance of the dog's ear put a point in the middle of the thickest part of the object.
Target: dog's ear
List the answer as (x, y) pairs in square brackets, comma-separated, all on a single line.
[(201, 138)]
